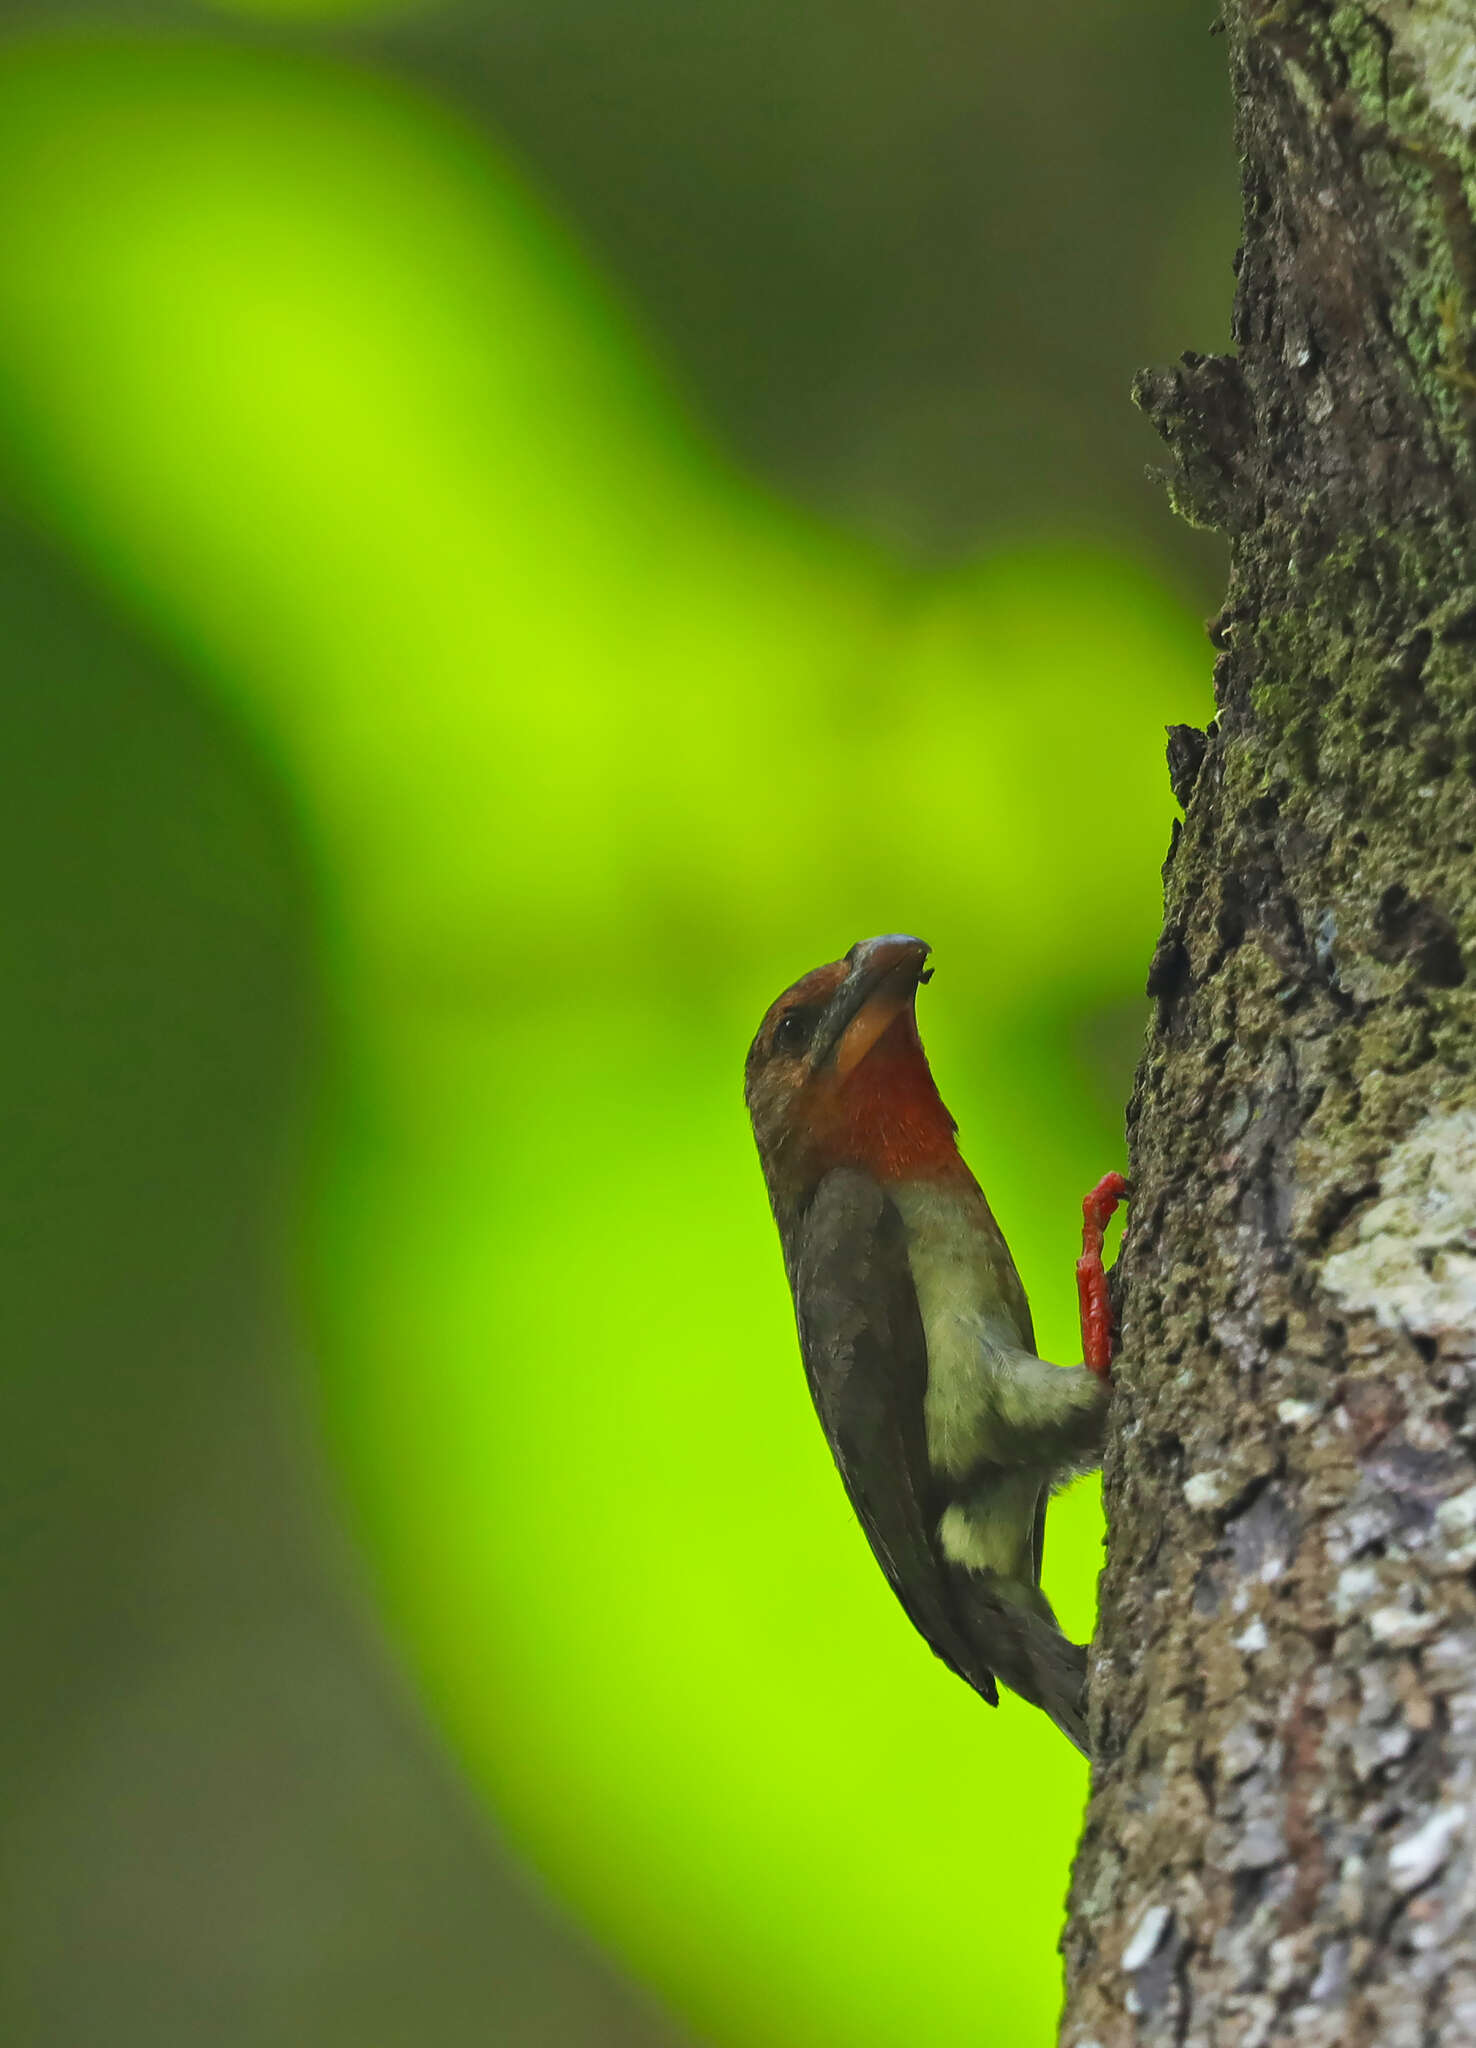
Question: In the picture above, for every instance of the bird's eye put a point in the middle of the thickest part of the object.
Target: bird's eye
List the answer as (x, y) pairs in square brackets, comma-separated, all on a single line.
[(794, 1030)]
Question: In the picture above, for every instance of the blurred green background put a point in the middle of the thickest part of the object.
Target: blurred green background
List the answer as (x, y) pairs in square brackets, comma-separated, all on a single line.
[(523, 527)]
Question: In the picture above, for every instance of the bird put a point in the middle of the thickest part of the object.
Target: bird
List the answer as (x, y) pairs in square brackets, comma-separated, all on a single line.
[(949, 1431)]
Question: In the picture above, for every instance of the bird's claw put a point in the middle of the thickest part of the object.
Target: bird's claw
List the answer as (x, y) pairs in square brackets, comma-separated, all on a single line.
[(1098, 1333)]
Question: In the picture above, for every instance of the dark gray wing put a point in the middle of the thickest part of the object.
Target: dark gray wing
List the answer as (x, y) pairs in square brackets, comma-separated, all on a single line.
[(867, 1363), (1037, 1540)]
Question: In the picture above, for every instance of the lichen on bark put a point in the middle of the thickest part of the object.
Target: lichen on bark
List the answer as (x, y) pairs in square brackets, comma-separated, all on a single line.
[(1281, 1841)]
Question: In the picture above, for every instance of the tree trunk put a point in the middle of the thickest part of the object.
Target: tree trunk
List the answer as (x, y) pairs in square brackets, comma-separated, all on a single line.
[(1279, 1846)]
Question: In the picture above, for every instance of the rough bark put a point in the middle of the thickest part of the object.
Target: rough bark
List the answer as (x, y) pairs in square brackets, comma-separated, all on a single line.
[(1280, 1840)]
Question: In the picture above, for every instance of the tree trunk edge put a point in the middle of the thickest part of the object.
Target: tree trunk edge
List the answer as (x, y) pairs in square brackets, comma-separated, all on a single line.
[(1281, 1838)]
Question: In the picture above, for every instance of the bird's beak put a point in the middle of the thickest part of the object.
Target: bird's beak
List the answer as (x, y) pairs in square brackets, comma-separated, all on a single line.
[(880, 984)]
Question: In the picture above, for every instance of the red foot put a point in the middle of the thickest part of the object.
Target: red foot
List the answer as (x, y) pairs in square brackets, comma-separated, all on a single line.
[(1098, 1335)]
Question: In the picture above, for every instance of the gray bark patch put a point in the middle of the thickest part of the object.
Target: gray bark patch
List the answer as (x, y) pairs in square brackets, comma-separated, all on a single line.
[(1413, 1263)]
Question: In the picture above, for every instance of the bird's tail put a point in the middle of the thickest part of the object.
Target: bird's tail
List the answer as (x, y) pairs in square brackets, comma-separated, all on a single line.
[(1015, 1631)]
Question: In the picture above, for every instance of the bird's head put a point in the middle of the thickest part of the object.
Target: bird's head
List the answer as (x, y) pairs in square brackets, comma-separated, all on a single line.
[(837, 1076)]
